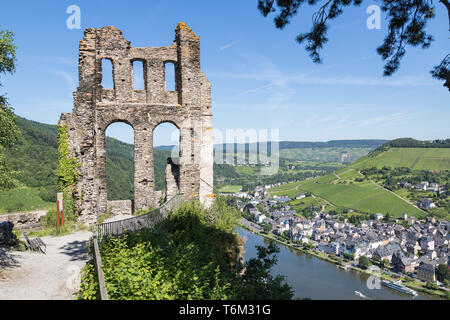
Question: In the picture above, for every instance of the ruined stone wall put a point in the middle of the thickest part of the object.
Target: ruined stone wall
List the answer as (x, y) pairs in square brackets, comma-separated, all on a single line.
[(95, 108), (172, 180), (116, 207)]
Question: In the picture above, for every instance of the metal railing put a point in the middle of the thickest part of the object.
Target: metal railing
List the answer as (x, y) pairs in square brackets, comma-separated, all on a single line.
[(98, 266), (115, 228), (146, 220)]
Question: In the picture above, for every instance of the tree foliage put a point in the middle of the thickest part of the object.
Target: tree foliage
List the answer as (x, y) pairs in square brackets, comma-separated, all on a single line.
[(442, 273), (9, 133), (407, 20), (364, 262), (188, 256)]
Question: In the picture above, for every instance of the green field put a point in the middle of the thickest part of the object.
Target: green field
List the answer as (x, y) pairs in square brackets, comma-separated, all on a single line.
[(21, 199), (230, 189), (307, 202), (291, 190), (346, 193), (414, 158), (246, 170), (364, 196)]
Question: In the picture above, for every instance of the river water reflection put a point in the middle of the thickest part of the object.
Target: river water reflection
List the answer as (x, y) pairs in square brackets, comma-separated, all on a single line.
[(313, 278)]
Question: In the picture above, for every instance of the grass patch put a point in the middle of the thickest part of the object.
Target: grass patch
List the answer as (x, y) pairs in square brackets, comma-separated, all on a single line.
[(69, 228), (363, 197), (299, 205), (49, 227), (230, 189), (21, 199)]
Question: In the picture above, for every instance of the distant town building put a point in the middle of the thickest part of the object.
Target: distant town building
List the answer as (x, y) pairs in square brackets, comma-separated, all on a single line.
[(281, 199), (378, 216), (300, 196), (425, 203)]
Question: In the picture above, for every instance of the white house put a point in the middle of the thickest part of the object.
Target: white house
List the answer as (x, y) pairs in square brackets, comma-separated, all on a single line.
[(425, 203), (378, 216), (300, 196), (423, 185), (260, 218)]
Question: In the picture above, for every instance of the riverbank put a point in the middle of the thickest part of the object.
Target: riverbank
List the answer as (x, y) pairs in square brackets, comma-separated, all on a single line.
[(345, 266)]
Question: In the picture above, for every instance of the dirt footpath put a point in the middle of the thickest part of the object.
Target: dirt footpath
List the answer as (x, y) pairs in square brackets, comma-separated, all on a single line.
[(35, 276)]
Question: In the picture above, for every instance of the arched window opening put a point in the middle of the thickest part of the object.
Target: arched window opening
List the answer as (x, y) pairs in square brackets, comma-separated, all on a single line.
[(107, 74), (138, 75), (166, 154), (120, 161), (169, 71)]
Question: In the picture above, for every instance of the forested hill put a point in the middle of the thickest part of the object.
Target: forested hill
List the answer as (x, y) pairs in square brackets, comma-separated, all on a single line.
[(35, 159), (333, 144), (283, 145), (413, 143), (410, 143)]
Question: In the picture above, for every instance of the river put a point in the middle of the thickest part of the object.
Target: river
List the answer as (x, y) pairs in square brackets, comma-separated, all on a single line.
[(317, 279)]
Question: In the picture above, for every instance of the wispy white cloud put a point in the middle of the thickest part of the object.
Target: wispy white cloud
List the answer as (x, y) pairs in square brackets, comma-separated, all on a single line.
[(54, 60), (338, 121), (262, 69), (227, 46), (308, 79), (66, 76), (409, 81), (386, 120)]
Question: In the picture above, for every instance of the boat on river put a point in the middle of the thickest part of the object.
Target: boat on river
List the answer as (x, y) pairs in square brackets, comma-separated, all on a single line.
[(359, 294), (396, 285)]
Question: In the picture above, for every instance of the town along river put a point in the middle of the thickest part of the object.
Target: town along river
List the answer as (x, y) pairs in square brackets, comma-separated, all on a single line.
[(317, 279)]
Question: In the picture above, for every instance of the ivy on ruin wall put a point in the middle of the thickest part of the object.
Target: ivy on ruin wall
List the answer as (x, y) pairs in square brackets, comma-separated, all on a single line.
[(66, 171)]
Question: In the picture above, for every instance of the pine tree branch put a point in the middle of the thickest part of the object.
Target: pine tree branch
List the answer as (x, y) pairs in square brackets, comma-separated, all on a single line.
[(447, 5)]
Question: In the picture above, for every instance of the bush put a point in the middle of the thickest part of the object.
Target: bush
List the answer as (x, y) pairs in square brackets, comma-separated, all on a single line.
[(431, 286), (364, 262), (222, 215), (48, 193), (15, 207), (184, 257), (50, 218)]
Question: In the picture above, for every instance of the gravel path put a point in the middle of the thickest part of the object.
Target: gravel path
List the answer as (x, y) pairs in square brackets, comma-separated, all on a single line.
[(35, 276)]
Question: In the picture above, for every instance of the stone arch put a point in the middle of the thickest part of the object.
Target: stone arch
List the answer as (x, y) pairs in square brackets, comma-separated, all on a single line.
[(171, 164), (101, 163)]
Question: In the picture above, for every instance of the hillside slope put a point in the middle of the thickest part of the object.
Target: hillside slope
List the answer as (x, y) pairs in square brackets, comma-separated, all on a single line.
[(414, 158), (348, 189)]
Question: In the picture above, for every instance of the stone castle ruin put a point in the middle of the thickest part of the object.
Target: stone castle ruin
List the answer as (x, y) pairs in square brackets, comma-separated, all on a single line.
[(188, 107)]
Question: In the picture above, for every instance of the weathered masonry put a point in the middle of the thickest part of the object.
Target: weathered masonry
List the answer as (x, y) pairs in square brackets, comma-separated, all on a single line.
[(188, 107)]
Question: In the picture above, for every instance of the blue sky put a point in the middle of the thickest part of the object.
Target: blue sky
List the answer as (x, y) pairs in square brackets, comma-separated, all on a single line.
[(261, 78)]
